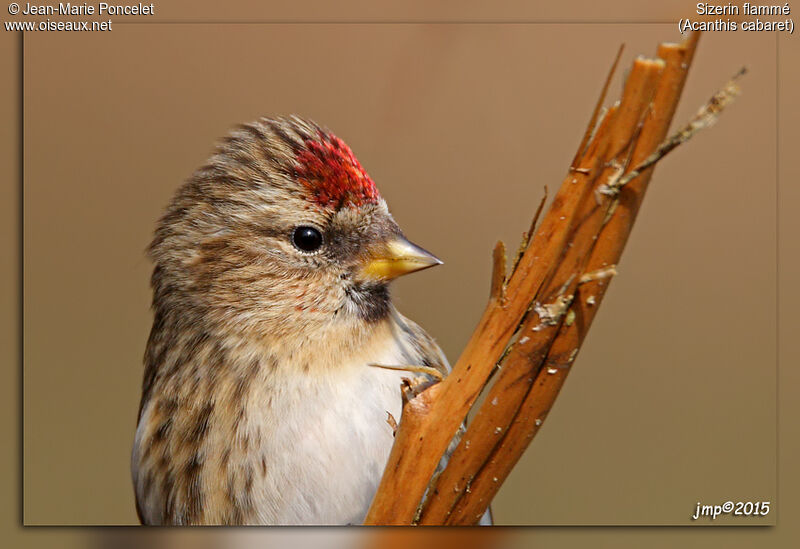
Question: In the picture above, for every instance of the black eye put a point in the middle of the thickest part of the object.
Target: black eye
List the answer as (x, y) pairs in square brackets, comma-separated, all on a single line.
[(307, 239)]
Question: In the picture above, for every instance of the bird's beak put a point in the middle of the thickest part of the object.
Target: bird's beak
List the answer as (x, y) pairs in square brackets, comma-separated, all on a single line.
[(396, 257)]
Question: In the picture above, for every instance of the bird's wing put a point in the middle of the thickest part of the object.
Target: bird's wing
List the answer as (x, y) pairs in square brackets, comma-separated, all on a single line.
[(425, 350)]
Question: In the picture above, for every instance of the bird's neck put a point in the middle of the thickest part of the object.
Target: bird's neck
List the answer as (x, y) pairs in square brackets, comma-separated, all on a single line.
[(176, 347)]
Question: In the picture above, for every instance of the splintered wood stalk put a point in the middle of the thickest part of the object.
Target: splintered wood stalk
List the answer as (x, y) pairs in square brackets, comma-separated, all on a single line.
[(538, 315)]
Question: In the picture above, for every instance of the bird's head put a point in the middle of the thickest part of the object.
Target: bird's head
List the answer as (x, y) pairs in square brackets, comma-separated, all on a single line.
[(282, 231)]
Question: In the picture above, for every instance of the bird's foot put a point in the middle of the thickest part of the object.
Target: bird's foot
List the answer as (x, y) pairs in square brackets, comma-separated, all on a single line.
[(414, 386)]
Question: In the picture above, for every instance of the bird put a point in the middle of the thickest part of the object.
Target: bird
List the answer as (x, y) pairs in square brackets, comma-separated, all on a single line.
[(273, 370)]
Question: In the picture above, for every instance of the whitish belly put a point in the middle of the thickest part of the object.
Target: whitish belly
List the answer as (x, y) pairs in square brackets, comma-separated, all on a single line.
[(325, 444)]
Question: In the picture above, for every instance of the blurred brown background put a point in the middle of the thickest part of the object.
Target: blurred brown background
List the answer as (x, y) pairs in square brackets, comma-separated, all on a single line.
[(673, 400)]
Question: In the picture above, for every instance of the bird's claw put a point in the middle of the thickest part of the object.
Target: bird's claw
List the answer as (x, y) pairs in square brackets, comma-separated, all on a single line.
[(414, 386)]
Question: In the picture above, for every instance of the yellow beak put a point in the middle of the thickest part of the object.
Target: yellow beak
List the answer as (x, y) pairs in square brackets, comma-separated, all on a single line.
[(395, 258)]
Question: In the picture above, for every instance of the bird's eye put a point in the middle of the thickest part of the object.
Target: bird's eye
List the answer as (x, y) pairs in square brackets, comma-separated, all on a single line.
[(307, 239)]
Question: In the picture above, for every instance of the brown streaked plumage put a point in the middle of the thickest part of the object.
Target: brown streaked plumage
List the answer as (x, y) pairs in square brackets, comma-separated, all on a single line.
[(270, 302)]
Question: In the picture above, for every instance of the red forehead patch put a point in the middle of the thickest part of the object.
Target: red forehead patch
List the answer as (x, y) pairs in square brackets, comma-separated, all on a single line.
[(330, 170)]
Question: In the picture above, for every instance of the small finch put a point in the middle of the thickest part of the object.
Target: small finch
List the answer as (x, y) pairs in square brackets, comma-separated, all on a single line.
[(263, 399)]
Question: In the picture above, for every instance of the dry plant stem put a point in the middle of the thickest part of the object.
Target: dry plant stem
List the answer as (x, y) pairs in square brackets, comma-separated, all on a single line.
[(591, 160), (606, 251), (428, 426), (498, 290), (431, 418), (430, 421), (523, 362), (706, 117), (590, 129), (523, 244), (505, 397)]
